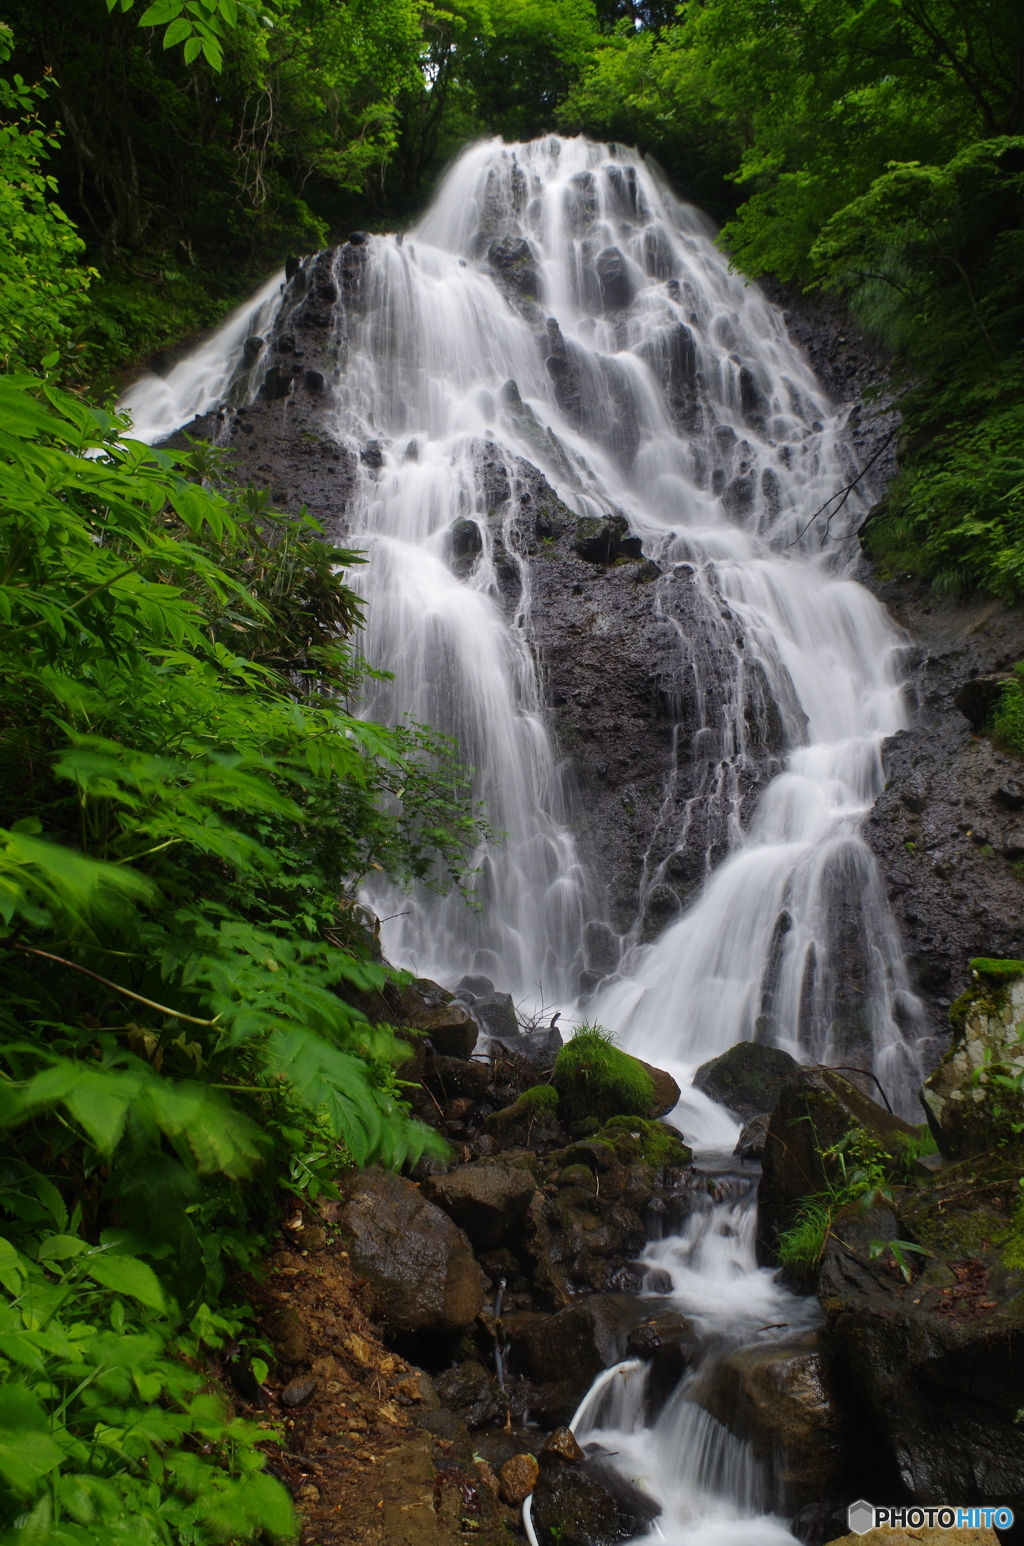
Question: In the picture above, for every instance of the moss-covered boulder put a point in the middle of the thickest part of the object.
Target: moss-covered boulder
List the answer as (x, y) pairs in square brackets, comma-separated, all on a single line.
[(532, 1120), (747, 1079), (595, 1078), (973, 1100)]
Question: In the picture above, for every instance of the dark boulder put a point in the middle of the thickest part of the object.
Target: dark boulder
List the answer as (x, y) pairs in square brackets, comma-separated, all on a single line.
[(603, 540), (511, 260), (816, 1110), (456, 1078), (572, 1347), (538, 1048), (666, 1091), (938, 1361), (431, 1009), (469, 1391), (747, 1079), (277, 383), (486, 1200), (478, 986), (614, 279), (750, 1144), (495, 1014), (464, 539), (588, 1504), (784, 1402), (418, 1262)]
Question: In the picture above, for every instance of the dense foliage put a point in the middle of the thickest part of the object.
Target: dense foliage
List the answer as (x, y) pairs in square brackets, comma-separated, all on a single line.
[(186, 813), (877, 150)]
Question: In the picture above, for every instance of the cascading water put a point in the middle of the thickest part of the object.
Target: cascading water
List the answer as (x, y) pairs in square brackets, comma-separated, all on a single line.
[(712, 1488), (556, 305)]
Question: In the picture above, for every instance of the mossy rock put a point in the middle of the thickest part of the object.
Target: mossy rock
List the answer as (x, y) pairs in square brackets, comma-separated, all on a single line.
[(817, 1110), (577, 1176), (972, 1105), (747, 1079), (536, 1108), (997, 971), (595, 1078), (628, 1141)]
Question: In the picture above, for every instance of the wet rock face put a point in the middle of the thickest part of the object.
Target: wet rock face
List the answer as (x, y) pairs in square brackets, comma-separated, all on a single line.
[(485, 1199), (938, 1361), (747, 1079), (753, 1136), (947, 841), (637, 665), (638, 662), (969, 1110), (587, 1504), (273, 422), (784, 1402), (419, 1263)]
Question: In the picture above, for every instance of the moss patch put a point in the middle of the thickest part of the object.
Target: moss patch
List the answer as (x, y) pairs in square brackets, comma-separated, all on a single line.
[(595, 1078), (997, 971)]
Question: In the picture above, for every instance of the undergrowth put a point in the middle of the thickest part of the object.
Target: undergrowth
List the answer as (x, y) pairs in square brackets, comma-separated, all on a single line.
[(862, 1171)]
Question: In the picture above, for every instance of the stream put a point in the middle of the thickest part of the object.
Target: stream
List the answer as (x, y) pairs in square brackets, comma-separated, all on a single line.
[(649, 382)]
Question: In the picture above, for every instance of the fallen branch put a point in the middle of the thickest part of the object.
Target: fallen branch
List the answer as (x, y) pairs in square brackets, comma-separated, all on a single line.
[(845, 492)]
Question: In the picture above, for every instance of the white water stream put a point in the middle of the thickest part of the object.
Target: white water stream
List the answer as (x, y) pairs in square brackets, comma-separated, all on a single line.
[(700, 420)]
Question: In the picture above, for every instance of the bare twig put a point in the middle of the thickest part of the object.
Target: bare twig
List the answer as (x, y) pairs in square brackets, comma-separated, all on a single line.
[(844, 1068), (149, 1003), (845, 492)]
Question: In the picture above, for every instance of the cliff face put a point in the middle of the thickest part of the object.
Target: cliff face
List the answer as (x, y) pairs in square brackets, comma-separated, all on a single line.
[(948, 829), (642, 669)]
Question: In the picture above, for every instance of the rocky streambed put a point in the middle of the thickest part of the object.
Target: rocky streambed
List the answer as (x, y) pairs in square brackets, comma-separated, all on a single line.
[(435, 1335)]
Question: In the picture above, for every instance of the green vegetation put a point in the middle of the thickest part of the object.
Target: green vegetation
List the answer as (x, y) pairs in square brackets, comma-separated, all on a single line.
[(595, 1078), (1007, 724), (540, 1100), (862, 1171), (875, 151), (186, 813)]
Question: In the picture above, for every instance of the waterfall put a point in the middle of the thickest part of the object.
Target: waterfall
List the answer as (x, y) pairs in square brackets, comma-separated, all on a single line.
[(558, 307)]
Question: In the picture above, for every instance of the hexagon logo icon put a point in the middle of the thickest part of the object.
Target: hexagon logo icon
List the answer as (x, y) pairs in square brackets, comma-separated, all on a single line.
[(861, 1517)]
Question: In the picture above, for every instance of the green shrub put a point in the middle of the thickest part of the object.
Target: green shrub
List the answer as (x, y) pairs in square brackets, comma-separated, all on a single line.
[(107, 1433), (595, 1078)]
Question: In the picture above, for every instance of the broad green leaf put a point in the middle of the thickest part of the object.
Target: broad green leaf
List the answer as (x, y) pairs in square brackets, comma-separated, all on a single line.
[(11, 1268), (100, 1103), (127, 1275), (177, 32), (161, 12), (61, 1248), (50, 1198), (26, 1457)]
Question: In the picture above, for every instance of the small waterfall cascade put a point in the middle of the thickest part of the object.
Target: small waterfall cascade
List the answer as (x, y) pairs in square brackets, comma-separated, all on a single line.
[(557, 313), (710, 1485)]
